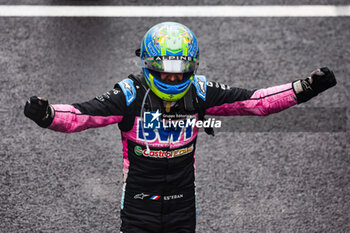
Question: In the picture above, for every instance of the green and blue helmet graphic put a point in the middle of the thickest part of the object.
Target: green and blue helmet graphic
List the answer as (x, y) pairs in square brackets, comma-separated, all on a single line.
[(169, 47)]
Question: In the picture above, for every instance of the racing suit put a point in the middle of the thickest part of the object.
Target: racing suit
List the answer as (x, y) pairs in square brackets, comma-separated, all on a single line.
[(158, 190)]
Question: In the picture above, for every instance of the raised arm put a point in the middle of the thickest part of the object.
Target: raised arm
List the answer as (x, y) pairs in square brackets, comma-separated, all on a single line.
[(98, 112), (225, 101)]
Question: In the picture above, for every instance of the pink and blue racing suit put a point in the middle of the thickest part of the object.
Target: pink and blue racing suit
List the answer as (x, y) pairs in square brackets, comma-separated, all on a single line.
[(159, 190)]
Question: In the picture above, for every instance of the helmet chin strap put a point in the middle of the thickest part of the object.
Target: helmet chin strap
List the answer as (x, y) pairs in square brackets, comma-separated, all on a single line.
[(168, 106)]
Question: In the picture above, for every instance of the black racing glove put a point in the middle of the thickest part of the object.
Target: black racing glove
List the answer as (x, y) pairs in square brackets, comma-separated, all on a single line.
[(321, 80), (39, 110)]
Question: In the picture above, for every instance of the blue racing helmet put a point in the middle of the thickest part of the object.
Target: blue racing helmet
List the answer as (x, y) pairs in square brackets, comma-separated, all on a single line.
[(171, 48)]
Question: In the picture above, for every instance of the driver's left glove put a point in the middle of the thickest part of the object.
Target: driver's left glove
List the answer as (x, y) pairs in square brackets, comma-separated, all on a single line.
[(319, 81)]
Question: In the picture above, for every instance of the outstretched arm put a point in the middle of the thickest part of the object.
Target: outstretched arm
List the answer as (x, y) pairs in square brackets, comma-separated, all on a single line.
[(225, 101), (98, 112)]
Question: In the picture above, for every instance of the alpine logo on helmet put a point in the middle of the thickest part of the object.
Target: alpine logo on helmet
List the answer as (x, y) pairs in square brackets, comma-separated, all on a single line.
[(182, 58)]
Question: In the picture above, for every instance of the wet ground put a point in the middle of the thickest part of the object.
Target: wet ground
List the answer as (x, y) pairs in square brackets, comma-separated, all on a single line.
[(284, 173)]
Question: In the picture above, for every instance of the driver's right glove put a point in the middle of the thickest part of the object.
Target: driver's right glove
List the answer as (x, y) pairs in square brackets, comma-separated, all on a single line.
[(39, 110)]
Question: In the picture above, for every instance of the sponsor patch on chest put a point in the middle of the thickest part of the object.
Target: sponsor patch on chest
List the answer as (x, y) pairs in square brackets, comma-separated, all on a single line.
[(163, 153)]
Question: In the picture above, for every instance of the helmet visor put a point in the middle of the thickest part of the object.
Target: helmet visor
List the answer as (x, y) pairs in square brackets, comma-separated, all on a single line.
[(171, 64)]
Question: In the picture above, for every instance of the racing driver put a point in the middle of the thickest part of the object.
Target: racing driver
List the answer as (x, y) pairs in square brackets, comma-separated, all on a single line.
[(158, 158)]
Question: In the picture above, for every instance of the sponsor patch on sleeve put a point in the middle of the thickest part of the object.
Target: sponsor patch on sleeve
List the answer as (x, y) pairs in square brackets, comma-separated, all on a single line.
[(200, 82), (128, 88)]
